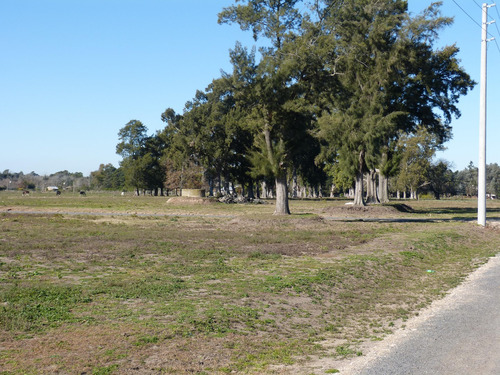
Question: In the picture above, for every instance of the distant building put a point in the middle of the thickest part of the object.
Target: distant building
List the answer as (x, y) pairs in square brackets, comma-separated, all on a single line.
[(52, 188)]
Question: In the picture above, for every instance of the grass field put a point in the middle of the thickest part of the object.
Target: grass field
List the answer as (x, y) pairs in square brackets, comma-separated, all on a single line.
[(106, 284)]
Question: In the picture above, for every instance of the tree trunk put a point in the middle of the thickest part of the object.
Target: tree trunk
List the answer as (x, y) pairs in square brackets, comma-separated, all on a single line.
[(295, 183), (383, 188), (358, 190), (280, 178), (371, 188), (211, 187), (358, 187), (281, 195), (251, 194), (264, 190)]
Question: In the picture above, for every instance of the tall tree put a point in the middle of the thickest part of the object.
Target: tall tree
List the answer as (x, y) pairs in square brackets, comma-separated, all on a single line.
[(273, 88), (467, 180), (108, 177), (441, 179), (136, 158), (392, 81), (415, 153), (357, 122)]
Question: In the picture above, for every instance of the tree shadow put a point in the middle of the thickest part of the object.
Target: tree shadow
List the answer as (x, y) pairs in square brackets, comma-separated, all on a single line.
[(458, 213)]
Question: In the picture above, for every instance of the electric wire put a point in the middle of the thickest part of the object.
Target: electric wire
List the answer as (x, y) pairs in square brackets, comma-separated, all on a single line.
[(478, 24), (468, 15), (498, 19), (496, 26), (475, 2)]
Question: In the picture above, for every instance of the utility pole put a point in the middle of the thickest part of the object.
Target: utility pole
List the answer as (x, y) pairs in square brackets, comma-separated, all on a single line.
[(481, 179)]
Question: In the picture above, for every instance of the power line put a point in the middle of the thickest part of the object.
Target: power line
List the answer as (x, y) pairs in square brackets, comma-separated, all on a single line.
[(468, 15), (496, 23), (496, 26), (478, 24), (480, 7), (475, 2)]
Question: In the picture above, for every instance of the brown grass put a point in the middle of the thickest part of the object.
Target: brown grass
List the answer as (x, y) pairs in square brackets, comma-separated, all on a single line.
[(241, 292)]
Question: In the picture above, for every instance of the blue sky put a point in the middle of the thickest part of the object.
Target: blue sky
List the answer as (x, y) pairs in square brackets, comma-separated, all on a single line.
[(73, 72)]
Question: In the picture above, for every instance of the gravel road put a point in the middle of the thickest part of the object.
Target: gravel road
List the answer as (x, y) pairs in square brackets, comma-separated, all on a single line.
[(459, 334)]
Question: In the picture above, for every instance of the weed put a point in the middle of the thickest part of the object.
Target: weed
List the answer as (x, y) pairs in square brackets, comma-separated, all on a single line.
[(344, 351), (144, 340), (106, 370)]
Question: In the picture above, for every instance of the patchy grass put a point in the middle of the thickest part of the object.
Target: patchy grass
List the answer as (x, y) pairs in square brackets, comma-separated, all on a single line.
[(223, 289)]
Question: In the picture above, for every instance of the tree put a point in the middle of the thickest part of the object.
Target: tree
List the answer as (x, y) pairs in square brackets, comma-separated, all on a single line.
[(393, 81), (215, 132), (108, 177), (415, 154), (493, 179), (441, 179), (136, 158), (467, 180), (357, 123), (272, 90)]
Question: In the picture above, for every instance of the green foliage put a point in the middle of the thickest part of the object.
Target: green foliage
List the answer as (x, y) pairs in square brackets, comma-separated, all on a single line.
[(107, 177), (441, 179), (141, 156), (493, 179), (415, 152), (467, 180), (400, 83)]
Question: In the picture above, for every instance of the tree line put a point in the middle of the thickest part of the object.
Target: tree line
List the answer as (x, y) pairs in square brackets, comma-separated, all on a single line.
[(342, 93), (64, 180), (437, 180)]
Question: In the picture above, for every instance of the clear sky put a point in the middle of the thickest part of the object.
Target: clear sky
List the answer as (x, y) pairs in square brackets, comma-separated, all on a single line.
[(73, 72)]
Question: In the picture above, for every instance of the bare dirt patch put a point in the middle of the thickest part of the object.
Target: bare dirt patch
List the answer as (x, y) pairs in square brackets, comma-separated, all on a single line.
[(191, 201)]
